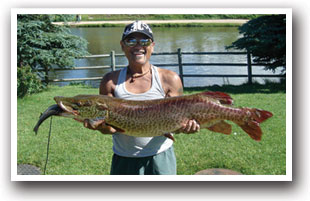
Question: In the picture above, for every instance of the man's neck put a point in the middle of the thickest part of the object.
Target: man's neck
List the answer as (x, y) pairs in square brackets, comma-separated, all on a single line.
[(140, 69)]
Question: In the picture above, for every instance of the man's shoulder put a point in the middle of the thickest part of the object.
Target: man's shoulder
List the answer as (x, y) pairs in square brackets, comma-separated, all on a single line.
[(171, 82), (109, 82), (168, 75), (111, 75)]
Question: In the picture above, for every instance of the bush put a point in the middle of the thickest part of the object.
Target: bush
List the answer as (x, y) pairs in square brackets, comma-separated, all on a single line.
[(42, 44), (27, 82), (265, 38)]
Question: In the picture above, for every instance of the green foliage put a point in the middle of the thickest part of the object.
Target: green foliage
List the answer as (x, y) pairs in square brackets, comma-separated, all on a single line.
[(265, 38), (27, 82), (40, 43), (62, 18)]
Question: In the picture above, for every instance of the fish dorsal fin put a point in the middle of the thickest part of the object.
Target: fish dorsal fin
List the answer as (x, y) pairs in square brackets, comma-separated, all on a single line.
[(220, 96)]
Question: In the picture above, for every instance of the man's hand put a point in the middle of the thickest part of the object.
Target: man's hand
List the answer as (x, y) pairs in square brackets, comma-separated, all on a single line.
[(190, 127), (103, 128)]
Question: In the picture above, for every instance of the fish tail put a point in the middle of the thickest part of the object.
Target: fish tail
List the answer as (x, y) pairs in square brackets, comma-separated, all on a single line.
[(252, 125)]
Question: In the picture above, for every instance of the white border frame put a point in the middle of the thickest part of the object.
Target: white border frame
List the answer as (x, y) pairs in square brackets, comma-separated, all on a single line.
[(287, 177)]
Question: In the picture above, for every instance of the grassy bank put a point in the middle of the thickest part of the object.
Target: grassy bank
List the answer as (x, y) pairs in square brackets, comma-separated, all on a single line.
[(75, 150), (164, 17), (164, 25), (111, 17)]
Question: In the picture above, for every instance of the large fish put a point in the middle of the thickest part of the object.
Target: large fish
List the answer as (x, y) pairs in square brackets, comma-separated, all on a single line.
[(161, 116)]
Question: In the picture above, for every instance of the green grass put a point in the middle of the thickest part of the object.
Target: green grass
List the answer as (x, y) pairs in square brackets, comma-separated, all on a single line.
[(112, 17), (165, 25), (120, 17), (75, 150)]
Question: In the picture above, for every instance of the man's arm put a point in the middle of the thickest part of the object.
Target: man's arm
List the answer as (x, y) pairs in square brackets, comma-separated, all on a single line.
[(108, 83)]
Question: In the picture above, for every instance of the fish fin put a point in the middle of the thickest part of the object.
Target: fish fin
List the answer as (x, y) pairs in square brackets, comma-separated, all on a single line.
[(170, 136), (79, 120), (221, 127), (220, 96), (119, 130), (94, 123), (252, 127)]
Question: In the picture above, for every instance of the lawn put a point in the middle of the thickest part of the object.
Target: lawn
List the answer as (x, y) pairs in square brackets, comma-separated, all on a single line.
[(75, 150), (98, 17)]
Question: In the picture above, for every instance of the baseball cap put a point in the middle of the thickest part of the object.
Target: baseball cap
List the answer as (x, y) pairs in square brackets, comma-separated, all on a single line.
[(140, 27)]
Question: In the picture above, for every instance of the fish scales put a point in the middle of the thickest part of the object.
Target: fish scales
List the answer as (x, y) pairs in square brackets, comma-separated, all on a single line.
[(165, 116), (157, 117), (144, 121)]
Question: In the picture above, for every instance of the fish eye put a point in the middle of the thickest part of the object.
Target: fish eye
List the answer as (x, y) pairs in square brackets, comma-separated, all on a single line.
[(78, 104)]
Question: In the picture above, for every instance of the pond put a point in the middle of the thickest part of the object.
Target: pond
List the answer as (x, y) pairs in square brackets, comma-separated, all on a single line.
[(102, 40)]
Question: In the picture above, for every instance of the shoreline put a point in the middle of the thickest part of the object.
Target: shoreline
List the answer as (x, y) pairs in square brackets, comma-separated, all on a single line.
[(236, 22)]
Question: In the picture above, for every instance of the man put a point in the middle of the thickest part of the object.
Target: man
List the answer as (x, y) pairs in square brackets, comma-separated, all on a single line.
[(141, 81)]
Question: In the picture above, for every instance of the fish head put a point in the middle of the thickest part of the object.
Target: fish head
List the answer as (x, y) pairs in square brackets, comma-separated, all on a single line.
[(82, 106)]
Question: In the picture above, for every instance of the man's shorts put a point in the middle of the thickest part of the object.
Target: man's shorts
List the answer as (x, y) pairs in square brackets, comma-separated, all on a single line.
[(163, 163)]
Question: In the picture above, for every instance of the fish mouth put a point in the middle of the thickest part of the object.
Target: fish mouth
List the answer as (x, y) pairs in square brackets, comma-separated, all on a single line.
[(68, 110)]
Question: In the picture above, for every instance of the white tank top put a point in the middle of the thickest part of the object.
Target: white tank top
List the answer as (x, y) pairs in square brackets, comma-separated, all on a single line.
[(128, 146)]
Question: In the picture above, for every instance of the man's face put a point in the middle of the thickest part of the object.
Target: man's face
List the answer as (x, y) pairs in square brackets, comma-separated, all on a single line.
[(137, 54)]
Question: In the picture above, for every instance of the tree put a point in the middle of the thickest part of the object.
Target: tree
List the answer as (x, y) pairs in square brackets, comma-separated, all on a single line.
[(265, 38), (40, 43)]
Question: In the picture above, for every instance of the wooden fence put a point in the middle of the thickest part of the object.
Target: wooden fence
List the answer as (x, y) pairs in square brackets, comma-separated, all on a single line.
[(248, 66)]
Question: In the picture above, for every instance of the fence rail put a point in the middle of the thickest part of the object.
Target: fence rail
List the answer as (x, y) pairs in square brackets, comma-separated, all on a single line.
[(180, 65)]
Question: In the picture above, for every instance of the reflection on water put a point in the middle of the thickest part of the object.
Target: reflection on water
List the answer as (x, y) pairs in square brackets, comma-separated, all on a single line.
[(199, 39)]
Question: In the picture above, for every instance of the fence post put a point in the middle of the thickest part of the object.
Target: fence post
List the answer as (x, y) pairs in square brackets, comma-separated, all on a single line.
[(112, 60), (180, 65), (46, 75), (249, 68)]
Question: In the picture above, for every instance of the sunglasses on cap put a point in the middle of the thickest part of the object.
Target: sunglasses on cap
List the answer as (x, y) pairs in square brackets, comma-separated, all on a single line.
[(131, 42)]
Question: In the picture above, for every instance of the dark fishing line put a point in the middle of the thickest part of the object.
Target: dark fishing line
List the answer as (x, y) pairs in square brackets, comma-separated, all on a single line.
[(48, 145)]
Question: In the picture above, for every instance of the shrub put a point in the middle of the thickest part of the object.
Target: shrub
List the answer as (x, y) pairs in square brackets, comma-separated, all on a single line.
[(27, 82), (265, 38)]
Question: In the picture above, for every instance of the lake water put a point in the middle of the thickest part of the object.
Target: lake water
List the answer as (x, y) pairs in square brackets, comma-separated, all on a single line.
[(200, 39)]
